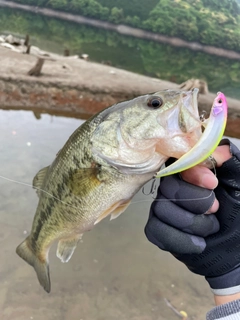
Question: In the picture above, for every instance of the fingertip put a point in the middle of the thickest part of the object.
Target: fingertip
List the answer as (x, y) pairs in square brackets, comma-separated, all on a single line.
[(208, 180), (214, 208), (201, 177)]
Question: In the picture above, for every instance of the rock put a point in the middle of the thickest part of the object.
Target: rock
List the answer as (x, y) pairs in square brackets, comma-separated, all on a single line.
[(84, 56), (13, 40), (7, 45)]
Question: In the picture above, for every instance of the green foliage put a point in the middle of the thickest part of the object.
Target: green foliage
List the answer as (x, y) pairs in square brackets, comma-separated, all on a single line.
[(131, 8), (117, 15), (227, 6), (149, 58), (195, 22), (192, 20)]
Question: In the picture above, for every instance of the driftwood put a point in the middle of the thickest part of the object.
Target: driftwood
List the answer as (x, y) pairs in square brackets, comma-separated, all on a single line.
[(23, 46), (28, 49), (36, 70), (26, 41), (41, 56), (66, 53), (195, 83)]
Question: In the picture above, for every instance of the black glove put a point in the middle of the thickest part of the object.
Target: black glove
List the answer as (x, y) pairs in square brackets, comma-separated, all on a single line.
[(209, 245)]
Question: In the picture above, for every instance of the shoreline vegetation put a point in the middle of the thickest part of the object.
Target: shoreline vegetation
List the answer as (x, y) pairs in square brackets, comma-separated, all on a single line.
[(190, 20), (125, 30)]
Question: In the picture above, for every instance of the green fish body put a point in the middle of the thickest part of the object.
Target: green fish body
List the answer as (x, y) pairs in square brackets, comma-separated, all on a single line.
[(102, 166)]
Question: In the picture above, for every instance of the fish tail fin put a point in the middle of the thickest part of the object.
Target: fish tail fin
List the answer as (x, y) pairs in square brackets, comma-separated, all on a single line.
[(40, 265)]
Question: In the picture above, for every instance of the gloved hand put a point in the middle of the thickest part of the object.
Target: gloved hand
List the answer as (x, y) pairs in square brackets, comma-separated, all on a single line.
[(208, 244)]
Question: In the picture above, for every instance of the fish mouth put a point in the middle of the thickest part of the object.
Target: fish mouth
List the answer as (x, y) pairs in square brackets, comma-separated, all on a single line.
[(188, 117), (184, 117), (195, 92), (182, 124), (189, 122)]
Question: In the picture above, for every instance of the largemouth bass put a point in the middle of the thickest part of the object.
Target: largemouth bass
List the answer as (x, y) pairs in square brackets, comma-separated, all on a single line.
[(102, 166)]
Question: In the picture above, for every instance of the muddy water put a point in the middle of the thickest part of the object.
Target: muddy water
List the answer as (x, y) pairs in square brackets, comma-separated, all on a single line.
[(115, 272)]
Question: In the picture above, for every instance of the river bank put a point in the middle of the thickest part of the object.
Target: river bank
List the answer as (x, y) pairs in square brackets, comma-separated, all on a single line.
[(79, 88), (125, 30), (73, 87)]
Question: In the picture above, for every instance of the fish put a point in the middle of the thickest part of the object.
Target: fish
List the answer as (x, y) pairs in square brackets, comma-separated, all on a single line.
[(103, 164), (214, 128)]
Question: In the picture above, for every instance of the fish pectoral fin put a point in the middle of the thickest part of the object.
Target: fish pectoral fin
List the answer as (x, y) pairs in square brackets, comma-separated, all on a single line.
[(66, 247), (39, 263), (115, 210), (119, 210), (38, 179), (84, 181)]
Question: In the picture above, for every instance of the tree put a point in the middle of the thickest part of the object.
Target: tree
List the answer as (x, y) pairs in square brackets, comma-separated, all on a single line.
[(116, 15)]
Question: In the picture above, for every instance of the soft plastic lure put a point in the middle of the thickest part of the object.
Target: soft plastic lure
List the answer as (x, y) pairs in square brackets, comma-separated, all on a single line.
[(212, 135)]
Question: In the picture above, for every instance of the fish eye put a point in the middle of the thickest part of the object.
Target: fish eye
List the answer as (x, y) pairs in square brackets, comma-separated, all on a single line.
[(155, 102)]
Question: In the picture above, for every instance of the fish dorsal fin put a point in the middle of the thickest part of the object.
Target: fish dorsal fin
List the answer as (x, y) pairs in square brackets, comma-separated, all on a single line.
[(38, 179)]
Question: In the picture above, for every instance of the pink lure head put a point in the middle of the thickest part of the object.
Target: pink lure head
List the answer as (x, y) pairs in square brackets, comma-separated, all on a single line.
[(220, 104)]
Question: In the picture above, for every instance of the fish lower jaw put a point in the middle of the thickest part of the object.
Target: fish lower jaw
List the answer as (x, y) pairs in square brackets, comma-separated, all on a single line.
[(151, 166)]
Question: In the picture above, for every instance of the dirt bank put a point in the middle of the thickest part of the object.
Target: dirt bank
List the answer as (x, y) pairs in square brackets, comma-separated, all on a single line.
[(81, 88)]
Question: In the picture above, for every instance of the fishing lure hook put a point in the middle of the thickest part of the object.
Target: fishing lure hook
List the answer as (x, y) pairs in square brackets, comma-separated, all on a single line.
[(152, 189), (214, 164)]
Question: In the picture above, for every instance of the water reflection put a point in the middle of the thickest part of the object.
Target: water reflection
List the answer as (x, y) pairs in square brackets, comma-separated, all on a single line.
[(141, 56), (114, 274)]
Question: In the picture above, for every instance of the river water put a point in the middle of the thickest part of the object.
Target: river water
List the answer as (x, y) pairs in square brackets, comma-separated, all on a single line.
[(115, 273)]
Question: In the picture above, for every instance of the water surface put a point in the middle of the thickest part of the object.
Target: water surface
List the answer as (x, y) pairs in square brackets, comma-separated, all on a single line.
[(115, 273)]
